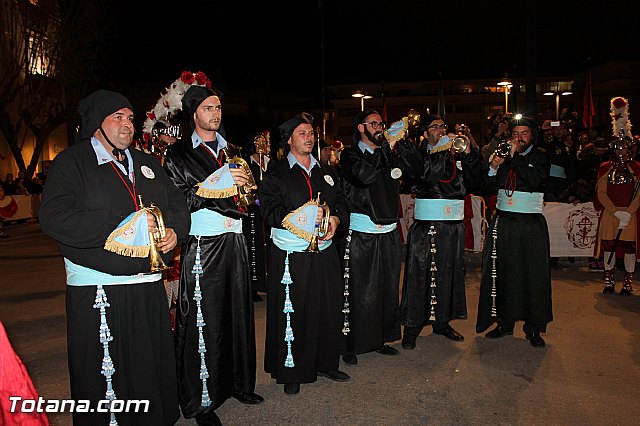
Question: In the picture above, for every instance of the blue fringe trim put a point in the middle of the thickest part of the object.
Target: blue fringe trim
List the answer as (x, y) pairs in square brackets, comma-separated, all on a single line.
[(202, 349), (108, 369), (288, 309)]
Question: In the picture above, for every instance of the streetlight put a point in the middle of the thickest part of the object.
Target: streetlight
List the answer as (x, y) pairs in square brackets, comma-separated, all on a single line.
[(557, 95), (507, 85), (362, 96)]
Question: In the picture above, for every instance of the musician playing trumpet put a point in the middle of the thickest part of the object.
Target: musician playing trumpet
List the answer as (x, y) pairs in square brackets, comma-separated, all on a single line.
[(304, 307), (371, 173), (516, 278), (443, 174)]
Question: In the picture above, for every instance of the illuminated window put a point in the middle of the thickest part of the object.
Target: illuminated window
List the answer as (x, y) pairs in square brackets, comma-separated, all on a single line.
[(38, 59)]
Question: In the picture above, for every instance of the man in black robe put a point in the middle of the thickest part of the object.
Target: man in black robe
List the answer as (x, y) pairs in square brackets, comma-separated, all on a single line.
[(433, 291), (215, 337), (516, 276), (119, 337), (371, 172), (302, 342)]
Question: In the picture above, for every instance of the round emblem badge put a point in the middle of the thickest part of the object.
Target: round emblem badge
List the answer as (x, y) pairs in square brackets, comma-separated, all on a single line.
[(396, 173), (147, 172), (329, 180)]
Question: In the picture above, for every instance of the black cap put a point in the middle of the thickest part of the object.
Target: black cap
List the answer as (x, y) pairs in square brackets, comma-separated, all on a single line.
[(286, 129), (525, 121), (360, 118), (96, 107), (426, 122), (194, 97)]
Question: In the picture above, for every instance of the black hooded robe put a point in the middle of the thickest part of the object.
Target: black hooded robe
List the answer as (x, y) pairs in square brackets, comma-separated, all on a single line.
[(317, 289), (227, 303), (83, 202), (374, 259), (523, 281), (436, 176)]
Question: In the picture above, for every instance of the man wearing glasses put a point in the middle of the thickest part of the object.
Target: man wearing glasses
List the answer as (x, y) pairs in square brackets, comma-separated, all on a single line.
[(433, 291), (373, 256)]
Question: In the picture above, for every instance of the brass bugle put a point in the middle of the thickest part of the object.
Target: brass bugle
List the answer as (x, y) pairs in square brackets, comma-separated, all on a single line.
[(246, 196), (503, 150), (460, 141), (155, 261), (322, 229)]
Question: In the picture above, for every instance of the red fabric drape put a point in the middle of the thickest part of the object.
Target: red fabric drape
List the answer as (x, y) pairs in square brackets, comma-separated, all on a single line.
[(15, 381)]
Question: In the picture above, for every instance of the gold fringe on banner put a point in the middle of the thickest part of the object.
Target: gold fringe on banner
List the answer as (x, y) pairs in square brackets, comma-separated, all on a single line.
[(298, 232), (440, 148), (216, 193), (125, 250)]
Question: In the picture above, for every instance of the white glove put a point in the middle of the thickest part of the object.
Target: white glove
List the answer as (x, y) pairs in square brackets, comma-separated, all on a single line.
[(623, 217)]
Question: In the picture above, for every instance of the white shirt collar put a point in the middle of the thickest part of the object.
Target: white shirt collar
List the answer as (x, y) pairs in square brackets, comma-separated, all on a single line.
[(293, 161)]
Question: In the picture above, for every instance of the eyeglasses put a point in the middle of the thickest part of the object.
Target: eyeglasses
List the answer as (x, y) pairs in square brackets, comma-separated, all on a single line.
[(376, 125), (438, 126)]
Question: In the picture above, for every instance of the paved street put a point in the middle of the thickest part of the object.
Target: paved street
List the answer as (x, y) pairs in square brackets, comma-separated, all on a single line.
[(588, 374)]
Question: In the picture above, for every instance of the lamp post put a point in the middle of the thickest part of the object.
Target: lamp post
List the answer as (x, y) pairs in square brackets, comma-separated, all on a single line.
[(557, 95), (506, 84), (362, 96)]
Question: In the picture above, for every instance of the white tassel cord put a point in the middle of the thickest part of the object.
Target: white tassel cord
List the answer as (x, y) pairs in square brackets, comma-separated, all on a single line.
[(288, 310), (433, 302), (200, 324), (345, 308), (108, 369)]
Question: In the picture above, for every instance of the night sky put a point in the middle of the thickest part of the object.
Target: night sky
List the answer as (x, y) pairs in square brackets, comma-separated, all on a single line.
[(252, 45)]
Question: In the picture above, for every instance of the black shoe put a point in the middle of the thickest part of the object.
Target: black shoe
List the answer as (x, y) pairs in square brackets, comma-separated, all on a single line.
[(498, 332), (387, 350), (335, 375), (247, 397), (535, 339), (291, 388), (2, 236), (450, 334), (624, 291), (408, 342), (350, 359), (209, 419), (609, 289), (257, 297)]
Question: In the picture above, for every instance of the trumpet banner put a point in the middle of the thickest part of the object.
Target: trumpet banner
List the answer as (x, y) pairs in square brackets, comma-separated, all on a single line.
[(131, 237), (302, 221), (218, 184)]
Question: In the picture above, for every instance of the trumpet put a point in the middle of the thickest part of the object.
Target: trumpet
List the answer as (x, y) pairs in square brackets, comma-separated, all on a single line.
[(246, 196), (413, 118), (321, 229), (460, 142), (155, 261), (503, 150)]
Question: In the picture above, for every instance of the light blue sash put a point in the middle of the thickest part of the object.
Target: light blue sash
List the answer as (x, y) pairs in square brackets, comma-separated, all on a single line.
[(287, 241), (438, 209), (362, 223), (78, 275), (208, 223), (557, 171), (520, 202)]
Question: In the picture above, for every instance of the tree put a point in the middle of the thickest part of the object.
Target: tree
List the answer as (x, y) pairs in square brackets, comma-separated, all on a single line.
[(47, 55)]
